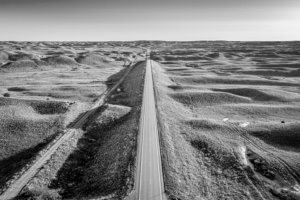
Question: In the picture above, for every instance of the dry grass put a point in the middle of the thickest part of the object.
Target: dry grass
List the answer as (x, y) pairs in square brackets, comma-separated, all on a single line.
[(19, 66), (260, 95), (26, 127), (238, 146), (193, 98), (108, 117), (52, 67), (292, 73), (38, 78), (104, 162), (96, 60), (235, 81), (285, 135), (60, 60)]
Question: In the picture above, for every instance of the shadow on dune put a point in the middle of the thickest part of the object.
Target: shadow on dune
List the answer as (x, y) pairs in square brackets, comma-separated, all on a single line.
[(13, 164), (102, 162)]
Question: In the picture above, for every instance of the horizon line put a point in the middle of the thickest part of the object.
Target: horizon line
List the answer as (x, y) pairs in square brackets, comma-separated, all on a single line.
[(142, 40)]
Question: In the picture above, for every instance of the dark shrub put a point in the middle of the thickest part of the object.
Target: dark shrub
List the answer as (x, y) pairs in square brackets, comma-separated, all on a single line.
[(6, 94)]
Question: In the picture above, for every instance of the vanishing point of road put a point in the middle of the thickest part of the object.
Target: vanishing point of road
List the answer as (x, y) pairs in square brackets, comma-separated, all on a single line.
[(149, 181)]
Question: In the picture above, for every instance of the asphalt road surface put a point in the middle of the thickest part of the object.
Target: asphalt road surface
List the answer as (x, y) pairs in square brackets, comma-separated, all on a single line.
[(149, 171)]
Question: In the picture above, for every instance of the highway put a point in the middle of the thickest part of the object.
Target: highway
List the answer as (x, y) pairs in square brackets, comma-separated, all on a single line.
[(149, 178), (149, 181)]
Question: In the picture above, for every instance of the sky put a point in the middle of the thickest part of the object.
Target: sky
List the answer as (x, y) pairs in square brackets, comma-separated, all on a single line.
[(184, 20)]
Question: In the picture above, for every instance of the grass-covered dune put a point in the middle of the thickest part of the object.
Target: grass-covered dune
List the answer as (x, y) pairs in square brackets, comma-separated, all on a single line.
[(26, 127), (229, 129), (103, 163)]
